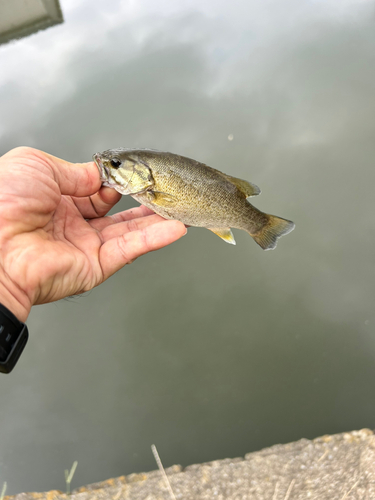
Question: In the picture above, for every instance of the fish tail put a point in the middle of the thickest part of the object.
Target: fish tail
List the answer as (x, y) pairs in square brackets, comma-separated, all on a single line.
[(272, 230)]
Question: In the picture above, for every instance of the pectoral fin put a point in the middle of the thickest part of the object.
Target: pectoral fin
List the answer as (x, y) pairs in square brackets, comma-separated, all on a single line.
[(161, 199), (224, 233), (246, 188)]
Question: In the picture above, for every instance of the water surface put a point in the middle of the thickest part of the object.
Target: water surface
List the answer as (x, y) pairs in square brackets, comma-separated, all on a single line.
[(205, 349)]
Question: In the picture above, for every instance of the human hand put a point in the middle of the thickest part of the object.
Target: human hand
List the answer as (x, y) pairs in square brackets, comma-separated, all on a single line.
[(54, 238)]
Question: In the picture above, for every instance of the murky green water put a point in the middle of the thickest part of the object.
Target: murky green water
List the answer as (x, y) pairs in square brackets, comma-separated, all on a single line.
[(205, 349)]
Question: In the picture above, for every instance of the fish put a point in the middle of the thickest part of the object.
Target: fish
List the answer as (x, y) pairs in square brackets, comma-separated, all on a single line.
[(180, 188)]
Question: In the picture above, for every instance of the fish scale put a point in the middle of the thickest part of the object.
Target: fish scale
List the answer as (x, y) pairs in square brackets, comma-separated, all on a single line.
[(177, 187)]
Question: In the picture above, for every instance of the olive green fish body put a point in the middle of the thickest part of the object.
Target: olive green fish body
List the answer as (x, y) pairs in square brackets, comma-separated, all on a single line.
[(180, 188), (217, 202)]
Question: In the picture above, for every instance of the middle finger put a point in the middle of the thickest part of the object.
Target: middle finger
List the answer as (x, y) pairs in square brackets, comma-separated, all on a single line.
[(128, 226)]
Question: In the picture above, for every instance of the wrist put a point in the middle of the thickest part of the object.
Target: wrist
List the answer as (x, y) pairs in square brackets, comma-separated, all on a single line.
[(12, 299)]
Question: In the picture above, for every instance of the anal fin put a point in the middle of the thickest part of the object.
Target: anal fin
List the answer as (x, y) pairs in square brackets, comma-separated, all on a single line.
[(224, 233)]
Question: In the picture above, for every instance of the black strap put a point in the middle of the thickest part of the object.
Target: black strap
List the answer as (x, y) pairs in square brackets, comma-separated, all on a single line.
[(13, 338)]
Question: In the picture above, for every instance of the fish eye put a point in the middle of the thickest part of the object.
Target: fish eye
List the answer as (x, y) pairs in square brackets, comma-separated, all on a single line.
[(115, 163)]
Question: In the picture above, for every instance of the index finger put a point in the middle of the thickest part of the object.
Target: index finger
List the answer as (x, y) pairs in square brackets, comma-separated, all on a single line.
[(126, 215), (98, 204)]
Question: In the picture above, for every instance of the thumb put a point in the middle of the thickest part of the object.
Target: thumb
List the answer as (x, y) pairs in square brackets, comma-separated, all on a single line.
[(74, 179)]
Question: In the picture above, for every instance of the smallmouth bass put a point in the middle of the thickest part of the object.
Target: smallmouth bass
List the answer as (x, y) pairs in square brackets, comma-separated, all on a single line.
[(180, 188)]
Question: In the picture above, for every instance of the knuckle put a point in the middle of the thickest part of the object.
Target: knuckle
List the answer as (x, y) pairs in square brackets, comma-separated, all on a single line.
[(145, 241), (123, 249), (24, 150), (132, 225), (139, 246)]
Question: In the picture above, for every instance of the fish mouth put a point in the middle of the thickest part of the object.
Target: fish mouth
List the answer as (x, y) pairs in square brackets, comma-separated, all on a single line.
[(103, 171)]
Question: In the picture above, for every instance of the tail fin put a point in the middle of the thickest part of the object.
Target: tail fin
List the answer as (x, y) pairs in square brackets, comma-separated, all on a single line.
[(269, 234)]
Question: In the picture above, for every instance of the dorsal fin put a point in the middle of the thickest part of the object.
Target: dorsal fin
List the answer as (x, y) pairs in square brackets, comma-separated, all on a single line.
[(247, 188)]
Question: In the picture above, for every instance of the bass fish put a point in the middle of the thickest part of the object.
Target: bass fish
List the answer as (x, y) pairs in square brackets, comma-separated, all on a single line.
[(180, 188)]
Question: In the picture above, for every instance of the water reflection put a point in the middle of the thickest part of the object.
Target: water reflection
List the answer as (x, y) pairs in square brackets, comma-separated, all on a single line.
[(206, 349)]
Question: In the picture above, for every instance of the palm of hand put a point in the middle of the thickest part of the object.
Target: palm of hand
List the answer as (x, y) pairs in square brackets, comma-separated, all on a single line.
[(59, 258), (54, 238)]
